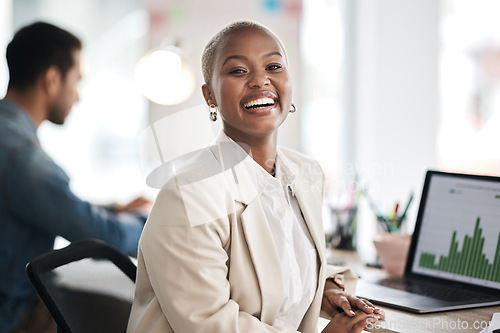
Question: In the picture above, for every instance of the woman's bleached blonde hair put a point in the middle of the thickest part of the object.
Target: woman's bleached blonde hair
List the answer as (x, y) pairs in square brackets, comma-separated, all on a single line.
[(208, 56)]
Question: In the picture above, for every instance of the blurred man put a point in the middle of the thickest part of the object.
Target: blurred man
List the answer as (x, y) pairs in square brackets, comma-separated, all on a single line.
[(36, 203)]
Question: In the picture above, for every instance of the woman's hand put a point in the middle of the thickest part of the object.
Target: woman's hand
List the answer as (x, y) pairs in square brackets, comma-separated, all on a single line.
[(337, 301), (342, 323)]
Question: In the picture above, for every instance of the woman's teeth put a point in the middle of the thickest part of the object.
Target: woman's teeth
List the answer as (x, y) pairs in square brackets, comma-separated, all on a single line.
[(260, 102)]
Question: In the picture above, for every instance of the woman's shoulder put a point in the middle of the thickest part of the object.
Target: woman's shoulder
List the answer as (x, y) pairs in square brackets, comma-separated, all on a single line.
[(302, 165), (297, 157), (196, 192), (188, 168)]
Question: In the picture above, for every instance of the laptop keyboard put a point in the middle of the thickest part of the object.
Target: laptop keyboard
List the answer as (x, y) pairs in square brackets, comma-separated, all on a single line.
[(434, 291)]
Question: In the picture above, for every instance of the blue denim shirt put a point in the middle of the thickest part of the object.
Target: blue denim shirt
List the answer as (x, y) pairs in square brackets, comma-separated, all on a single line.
[(36, 205)]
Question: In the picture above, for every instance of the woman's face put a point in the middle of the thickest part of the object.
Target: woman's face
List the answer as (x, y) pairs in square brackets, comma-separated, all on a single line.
[(250, 85)]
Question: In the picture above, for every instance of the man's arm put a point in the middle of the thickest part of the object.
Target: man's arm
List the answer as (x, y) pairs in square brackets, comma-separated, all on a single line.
[(38, 193)]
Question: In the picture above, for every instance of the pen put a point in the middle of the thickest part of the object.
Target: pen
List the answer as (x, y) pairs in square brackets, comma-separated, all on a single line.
[(406, 209), (393, 219)]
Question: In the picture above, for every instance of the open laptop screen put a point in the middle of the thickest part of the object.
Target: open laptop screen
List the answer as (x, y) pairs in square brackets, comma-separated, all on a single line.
[(458, 228)]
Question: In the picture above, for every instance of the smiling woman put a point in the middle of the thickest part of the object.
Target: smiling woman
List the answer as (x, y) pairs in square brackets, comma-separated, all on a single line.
[(249, 81), (242, 251)]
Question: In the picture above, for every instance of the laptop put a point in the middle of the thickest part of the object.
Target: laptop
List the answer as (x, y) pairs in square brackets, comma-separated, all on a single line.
[(454, 258)]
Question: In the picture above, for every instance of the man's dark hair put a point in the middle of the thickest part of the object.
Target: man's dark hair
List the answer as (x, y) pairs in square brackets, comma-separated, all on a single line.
[(37, 47)]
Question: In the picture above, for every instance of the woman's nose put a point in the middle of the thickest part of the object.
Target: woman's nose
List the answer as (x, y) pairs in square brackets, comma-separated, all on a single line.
[(259, 80)]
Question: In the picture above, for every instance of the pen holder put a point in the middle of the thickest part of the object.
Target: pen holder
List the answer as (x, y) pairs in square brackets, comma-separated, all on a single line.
[(344, 228), (392, 225), (392, 251)]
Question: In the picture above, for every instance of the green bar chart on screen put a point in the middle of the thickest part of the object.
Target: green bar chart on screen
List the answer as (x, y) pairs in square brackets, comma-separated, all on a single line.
[(470, 261)]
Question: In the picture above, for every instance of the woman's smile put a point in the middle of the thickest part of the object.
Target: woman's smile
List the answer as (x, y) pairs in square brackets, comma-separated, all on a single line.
[(262, 103)]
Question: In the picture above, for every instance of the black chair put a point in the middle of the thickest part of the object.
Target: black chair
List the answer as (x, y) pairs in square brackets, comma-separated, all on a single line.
[(87, 286)]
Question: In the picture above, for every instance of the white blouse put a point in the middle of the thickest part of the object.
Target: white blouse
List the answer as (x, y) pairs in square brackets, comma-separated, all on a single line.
[(293, 241)]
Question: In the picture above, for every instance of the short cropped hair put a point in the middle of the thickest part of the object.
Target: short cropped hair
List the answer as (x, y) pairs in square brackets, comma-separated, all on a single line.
[(208, 56), (37, 47)]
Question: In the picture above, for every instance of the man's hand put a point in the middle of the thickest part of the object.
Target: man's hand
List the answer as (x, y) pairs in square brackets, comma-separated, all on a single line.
[(138, 204)]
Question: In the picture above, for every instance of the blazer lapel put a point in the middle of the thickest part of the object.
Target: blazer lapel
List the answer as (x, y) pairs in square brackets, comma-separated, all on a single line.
[(265, 259), (243, 186), (306, 203), (233, 160), (310, 203)]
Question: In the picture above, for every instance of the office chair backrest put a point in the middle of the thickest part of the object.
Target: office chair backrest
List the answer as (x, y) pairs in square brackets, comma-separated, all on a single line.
[(87, 286)]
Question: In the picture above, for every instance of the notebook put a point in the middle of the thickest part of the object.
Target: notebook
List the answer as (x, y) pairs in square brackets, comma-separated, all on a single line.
[(454, 258)]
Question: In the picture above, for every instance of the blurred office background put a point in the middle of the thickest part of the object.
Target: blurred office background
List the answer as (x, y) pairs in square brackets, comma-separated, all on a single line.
[(384, 89)]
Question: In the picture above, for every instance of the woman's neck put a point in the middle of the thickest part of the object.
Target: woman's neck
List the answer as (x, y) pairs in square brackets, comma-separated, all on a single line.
[(262, 150), (265, 156)]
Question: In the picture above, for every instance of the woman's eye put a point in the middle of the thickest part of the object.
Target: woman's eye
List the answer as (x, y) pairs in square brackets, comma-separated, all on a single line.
[(274, 67), (237, 71)]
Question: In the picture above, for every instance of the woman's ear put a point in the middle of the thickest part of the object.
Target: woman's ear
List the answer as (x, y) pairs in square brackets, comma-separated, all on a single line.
[(207, 94)]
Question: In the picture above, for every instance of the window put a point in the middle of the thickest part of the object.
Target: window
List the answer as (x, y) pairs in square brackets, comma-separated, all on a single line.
[(470, 86)]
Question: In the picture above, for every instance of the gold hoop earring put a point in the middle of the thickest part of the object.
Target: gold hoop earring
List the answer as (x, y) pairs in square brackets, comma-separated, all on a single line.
[(293, 108), (213, 114)]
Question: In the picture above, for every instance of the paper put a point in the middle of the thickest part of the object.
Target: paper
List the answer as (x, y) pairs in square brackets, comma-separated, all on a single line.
[(494, 326), (322, 322)]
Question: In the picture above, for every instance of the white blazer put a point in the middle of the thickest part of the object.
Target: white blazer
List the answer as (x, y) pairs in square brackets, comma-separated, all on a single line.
[(207, 260)]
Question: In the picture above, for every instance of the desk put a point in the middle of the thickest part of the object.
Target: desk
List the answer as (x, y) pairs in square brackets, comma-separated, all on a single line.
[(471, 320)]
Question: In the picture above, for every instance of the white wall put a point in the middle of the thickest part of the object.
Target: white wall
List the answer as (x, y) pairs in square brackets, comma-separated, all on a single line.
[(5, 37), (395, 118)]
